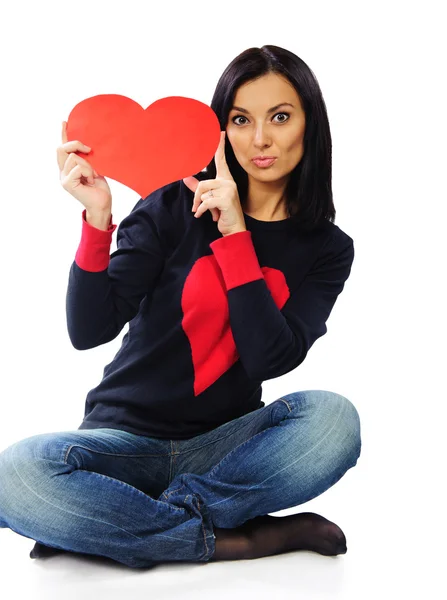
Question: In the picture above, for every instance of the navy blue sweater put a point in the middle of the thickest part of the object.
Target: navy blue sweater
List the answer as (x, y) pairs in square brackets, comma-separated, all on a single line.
[(210, 317)]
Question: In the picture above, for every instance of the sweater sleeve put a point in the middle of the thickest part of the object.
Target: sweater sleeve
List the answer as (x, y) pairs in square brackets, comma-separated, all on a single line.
[(272, 340), (104, 291)]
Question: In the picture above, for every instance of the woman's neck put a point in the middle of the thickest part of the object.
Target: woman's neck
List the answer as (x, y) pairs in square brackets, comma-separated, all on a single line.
[(266, 200)]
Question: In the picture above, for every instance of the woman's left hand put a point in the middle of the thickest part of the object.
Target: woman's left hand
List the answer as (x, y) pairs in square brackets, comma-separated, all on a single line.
[(224, 203)]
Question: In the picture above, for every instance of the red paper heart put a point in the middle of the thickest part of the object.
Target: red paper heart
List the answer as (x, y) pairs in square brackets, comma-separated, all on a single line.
[(145, 149), (213, 349)]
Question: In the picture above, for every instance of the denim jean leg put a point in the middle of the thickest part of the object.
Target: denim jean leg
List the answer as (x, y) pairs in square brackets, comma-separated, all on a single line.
[(46, 495), (314, 438)]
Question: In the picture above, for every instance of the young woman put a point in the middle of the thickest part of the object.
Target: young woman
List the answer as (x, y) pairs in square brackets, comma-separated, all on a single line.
[(226, 280)]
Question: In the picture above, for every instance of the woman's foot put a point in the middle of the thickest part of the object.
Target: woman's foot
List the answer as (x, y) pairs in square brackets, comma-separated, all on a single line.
[(42, 551), (267, 535)]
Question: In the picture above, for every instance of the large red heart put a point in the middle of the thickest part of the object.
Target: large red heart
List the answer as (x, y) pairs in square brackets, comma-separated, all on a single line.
[(145, 149)]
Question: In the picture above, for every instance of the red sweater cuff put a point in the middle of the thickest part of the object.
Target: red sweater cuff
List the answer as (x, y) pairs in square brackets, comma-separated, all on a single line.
[(93, 253), (237, 259)]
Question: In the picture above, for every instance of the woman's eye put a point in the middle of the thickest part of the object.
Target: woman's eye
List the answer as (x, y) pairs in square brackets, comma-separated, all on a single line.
[(281, 121), (238, 117)]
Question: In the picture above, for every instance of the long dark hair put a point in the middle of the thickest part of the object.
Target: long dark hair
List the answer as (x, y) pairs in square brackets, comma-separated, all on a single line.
[(309, 190)]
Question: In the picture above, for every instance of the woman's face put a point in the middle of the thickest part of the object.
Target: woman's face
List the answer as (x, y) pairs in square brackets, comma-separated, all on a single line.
[(255, 131)]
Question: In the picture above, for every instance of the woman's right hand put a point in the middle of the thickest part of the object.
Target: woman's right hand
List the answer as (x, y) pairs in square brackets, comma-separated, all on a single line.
[(80, 179)]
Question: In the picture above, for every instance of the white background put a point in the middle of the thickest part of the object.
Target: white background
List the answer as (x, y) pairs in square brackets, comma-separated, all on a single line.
[(381, 68)]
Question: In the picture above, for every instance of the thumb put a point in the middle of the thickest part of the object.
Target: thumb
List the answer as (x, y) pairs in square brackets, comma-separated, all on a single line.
[(191, 183)]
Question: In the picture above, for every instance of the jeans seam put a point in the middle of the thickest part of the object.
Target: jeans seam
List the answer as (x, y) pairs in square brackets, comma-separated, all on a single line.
[(169, 493), (271, 414), (67, 452), (286, 403), (203, 530), (116, 453), (171, 470)]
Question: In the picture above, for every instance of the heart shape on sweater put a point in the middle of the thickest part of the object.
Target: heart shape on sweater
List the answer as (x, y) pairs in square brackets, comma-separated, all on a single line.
[(145, 149), (206, 318)]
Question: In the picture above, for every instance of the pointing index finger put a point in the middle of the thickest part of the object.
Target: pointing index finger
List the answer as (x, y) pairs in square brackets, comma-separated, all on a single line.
[(64, 132), (222, 169)]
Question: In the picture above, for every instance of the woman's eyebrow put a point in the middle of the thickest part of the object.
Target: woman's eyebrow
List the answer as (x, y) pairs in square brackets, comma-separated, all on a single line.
[(270, 110)]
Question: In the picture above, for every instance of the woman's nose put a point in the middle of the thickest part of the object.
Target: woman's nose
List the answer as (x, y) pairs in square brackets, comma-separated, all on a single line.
[(261, 136)]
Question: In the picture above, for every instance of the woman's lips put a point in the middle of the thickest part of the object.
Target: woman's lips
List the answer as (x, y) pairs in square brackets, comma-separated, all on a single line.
[(265, 162)]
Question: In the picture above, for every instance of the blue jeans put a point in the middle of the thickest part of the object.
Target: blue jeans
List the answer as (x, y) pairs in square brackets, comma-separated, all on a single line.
[(140, 500)]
